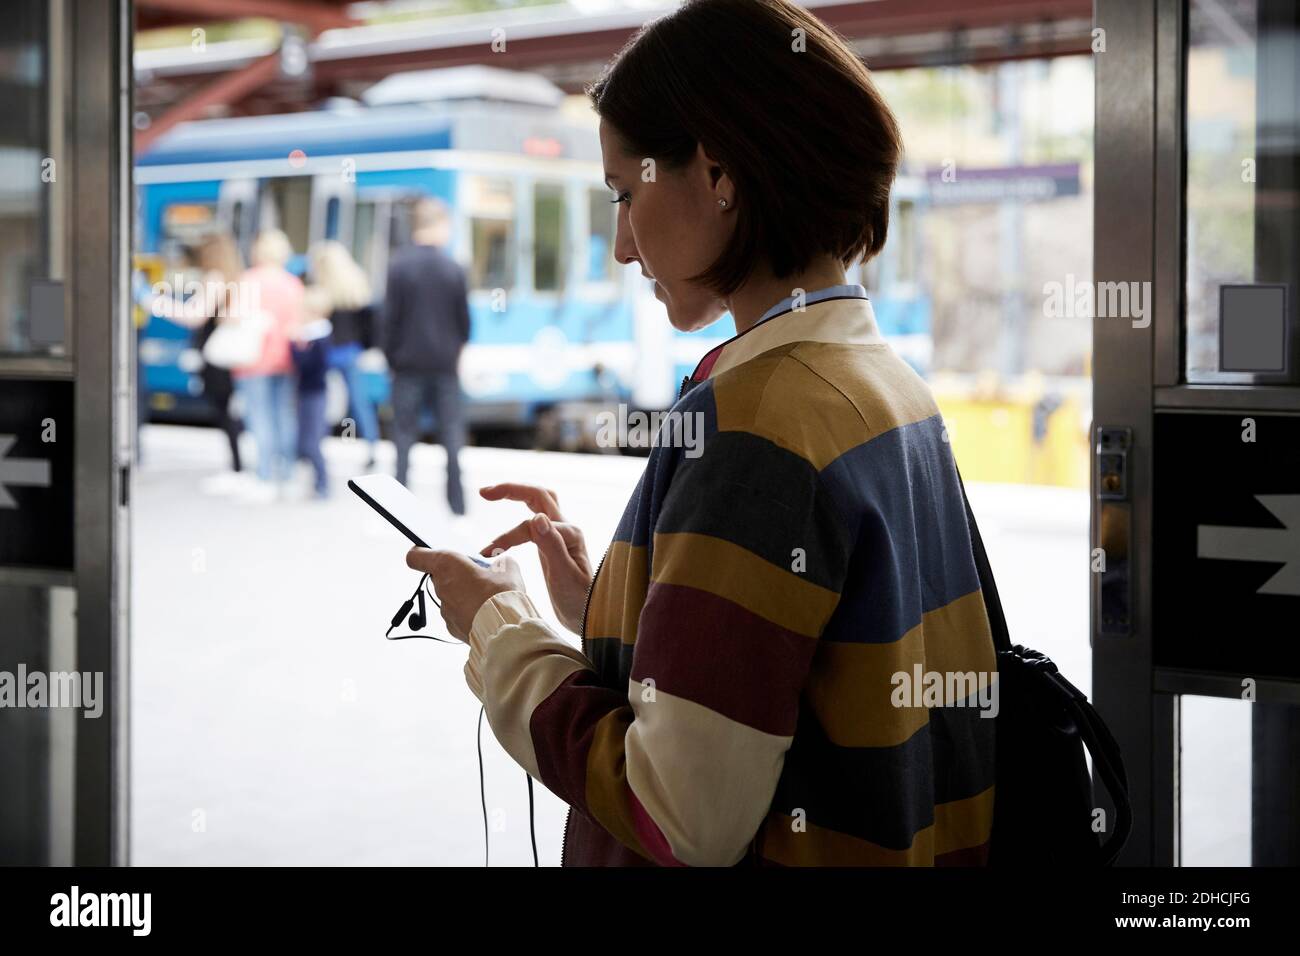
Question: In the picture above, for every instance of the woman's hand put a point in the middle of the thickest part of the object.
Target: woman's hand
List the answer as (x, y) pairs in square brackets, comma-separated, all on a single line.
[(462, 586), (559, 545)]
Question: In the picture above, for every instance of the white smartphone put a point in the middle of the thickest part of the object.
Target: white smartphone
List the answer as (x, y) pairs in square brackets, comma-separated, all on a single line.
[(405, 512)]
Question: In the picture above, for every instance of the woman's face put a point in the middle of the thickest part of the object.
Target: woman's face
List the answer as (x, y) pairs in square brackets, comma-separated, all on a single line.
[(671, 226)]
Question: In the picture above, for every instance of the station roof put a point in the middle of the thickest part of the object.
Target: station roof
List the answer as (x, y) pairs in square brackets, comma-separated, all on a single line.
[(565, 42)]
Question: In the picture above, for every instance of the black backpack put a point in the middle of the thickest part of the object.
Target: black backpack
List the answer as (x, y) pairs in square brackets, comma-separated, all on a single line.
[(1043, 799)]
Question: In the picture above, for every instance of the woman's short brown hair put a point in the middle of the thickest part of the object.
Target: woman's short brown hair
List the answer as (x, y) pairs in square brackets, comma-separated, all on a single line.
[(792, 117)]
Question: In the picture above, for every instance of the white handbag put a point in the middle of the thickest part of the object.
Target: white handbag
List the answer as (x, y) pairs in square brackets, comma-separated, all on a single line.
[(238, 341)]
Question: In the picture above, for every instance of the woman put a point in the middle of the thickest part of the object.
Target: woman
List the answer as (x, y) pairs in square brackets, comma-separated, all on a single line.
[(351, 316), (266, 387), (738, 695), (220, 265)]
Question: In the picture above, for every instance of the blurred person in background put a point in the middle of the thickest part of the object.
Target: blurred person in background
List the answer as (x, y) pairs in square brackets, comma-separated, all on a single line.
[(219, 258), (219, 266), (425, 326), (735, 699), (310, 346), (266, 387), (351, 316)]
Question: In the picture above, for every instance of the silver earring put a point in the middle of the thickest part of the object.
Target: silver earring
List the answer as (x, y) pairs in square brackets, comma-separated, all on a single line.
[(722, 203)]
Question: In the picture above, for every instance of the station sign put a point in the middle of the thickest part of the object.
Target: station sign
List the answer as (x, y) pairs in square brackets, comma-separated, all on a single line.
[(1226, 544), (959, 185), (36, 474)]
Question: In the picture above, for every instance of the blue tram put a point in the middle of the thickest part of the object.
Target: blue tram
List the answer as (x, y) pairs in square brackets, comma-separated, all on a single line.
[(554, 318)]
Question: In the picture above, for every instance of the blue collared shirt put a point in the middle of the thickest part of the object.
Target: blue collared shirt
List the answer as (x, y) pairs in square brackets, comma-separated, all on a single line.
[(817, 295)]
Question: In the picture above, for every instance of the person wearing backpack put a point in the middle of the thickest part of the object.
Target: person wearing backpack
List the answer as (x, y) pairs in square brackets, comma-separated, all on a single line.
[(785, 652)]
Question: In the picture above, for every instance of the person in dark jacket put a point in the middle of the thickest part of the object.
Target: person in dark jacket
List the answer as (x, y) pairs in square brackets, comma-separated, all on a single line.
[(425, 325)]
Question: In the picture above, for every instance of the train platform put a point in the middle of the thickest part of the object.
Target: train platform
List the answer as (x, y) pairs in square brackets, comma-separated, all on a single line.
[(275, 725)]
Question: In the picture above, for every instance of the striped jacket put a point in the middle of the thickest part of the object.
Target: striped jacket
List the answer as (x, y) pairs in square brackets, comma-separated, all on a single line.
[(786, 657)]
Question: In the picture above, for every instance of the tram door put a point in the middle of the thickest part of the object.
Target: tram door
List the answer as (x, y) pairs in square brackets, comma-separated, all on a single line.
[(66, 430), (1196, 423)]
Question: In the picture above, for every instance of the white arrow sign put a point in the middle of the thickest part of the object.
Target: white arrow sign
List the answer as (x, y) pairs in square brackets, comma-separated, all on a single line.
[(19, 471), (1260, 544)]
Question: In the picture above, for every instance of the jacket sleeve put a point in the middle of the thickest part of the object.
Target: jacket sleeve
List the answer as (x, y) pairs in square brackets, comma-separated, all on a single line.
[(683, 766)]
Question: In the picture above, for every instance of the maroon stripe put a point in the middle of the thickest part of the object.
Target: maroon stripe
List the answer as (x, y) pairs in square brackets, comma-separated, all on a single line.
[(712, 651), (562, 728), (967, 856)]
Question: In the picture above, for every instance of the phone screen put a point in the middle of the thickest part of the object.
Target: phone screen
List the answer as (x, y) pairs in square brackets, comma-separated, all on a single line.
[(407, 513)]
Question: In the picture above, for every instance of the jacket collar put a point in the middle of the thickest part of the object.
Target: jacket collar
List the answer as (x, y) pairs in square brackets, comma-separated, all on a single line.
[(847, 320)]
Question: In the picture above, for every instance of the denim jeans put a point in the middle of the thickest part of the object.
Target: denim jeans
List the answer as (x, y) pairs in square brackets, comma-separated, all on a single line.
[(269, 413), (414, 391), (360, 407), (311, 431)]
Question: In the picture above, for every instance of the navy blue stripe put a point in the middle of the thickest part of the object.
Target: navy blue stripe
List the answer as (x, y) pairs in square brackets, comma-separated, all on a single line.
[(887, 794), (912, 551)]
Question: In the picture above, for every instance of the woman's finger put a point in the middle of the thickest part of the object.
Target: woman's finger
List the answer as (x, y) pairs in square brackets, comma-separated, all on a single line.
[(522, 534), (519, 534), (541, 500), (550, 543)]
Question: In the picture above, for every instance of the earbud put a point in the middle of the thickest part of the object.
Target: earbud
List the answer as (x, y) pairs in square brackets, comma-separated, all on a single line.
[(419, 618)]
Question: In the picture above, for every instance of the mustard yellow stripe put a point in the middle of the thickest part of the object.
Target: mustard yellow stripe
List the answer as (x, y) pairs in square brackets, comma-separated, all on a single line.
[(957, 636), (884, 389), (619, 594), (742, 577), (960, 824), (781, 400), (816, 846), (607, 778), (852, 689), (821, 399)]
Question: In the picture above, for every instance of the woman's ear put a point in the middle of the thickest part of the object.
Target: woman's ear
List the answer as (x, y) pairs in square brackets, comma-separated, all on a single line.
[(722, 191)]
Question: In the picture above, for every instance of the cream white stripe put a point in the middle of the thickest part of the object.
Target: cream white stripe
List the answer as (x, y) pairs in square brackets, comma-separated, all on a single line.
[(848, 321), (515, 662), (707, 781)]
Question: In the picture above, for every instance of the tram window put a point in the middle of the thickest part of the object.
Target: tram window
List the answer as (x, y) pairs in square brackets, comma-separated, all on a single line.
[(399, 224), (332, 218), (241, 226), (548, 237), (363, 236), (489, 204), (290, 199), (600, 250)]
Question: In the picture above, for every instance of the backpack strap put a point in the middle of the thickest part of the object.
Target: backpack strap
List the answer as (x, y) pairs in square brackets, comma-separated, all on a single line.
[(1101, 744), (992, 602)]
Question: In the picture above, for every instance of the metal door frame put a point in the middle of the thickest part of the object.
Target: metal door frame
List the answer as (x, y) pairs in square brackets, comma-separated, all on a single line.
[(105, 421), (1137, 212), (1139, 218)]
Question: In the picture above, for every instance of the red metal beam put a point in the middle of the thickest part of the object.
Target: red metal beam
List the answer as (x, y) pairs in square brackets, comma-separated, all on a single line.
[(895, 17), (881, 18), (863, 20), (229, 88), (316, 15)]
